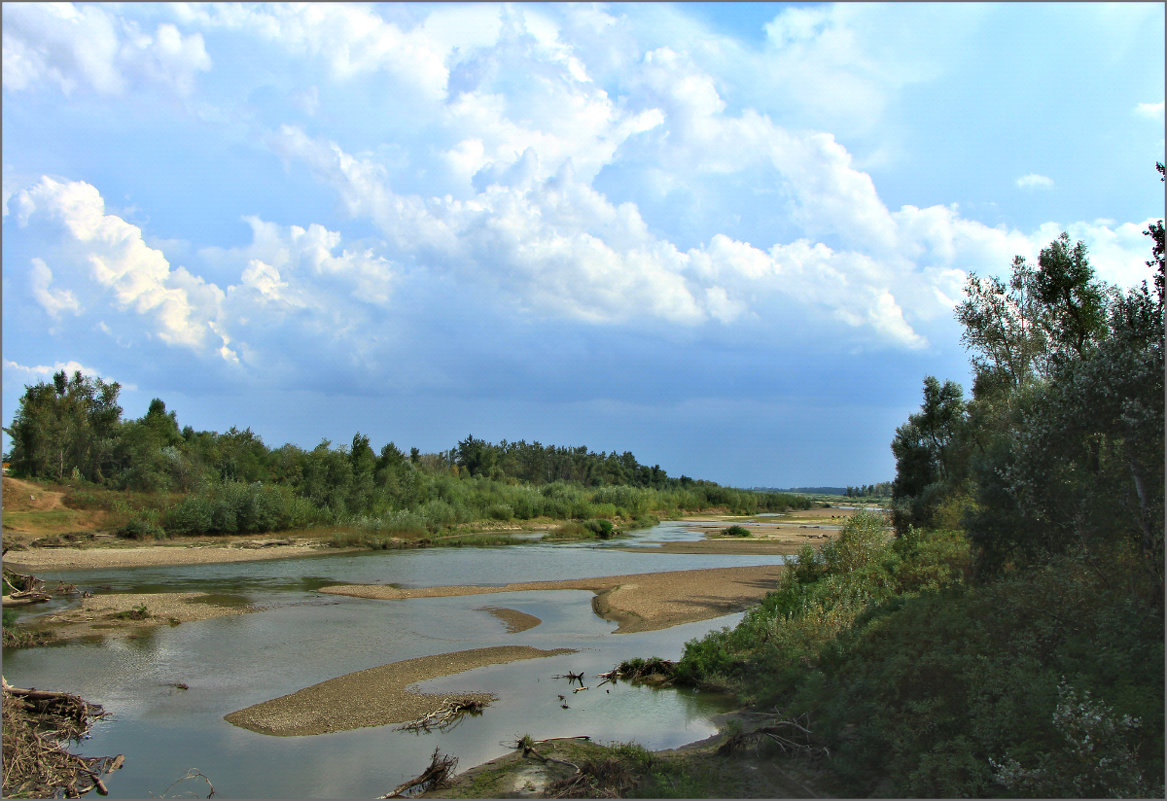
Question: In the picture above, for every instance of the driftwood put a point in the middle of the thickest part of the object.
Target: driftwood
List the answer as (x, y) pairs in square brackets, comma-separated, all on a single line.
[(193, 773), (446, 716), (595, 778), (37, 723), (31, 589), (435, 776), (571, 677), (528, 747), (789, 735)]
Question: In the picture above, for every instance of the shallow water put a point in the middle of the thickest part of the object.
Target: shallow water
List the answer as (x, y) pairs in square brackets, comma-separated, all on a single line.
[(303, 637)]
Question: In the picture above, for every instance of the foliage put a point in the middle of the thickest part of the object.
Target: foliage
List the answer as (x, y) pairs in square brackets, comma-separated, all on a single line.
[(1060, 449), (143, 526), (65, 428), (735, 531)]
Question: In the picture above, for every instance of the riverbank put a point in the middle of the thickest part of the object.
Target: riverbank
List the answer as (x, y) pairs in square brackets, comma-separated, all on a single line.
[(636, 602), (176, 551), (377, 696)]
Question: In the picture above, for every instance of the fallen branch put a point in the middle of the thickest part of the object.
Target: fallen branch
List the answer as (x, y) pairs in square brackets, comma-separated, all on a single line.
[(528, 746), (36, 724), (788, 735), (193, 773), (435, 776), (446, 716)]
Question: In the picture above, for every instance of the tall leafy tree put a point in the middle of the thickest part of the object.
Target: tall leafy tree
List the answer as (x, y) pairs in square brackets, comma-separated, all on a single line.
[(66, 428), (927, 453)]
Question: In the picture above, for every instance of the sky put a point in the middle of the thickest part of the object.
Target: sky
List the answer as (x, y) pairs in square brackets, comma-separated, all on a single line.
[(726, 237)]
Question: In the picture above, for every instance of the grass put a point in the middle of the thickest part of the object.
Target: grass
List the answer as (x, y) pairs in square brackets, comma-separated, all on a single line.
[(628, 770), (139, 612)]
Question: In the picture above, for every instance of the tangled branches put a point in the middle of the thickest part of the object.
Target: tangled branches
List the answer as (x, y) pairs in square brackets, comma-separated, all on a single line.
[(36, 724), (446, 716), (789, 735), (595, 778), (435, 776)]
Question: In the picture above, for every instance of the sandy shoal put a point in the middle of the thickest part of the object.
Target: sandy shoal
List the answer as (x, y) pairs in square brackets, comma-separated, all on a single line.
[(377, 696), (194, 553), (99, 614), (514, 620), (637, 602)]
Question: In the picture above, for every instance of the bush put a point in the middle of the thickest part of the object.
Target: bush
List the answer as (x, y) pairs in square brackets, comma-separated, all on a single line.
[(736, 531), (500, 511), (143, 526)]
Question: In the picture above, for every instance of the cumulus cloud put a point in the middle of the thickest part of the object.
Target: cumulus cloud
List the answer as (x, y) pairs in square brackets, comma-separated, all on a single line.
[(53, 302), (14, 371), (87, 47), (1035, 181), (137, 276), (1151, 111), (352, 40)]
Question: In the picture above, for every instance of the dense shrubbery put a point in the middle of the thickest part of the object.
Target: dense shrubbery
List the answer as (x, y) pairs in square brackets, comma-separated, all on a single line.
[(924, 684), (1009, 640)]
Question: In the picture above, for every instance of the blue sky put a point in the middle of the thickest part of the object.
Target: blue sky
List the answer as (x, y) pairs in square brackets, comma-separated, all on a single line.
[(726, 237)]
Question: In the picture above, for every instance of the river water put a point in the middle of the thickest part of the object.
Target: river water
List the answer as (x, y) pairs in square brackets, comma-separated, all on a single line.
[(302, 637)]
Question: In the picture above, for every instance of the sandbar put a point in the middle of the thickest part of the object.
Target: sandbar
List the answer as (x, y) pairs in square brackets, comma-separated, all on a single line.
[(514, 620), (377, 696), (636, 602), (237, 549), (117, 614)]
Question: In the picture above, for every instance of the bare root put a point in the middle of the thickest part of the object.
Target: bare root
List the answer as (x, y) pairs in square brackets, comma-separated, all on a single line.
[(437, 775)]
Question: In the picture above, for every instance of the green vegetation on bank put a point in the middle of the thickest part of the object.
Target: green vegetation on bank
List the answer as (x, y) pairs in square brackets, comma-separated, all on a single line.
[(1005, 638), (171, 481)]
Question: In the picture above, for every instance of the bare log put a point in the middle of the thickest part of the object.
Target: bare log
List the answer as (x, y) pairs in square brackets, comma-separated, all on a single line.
[(435, 776)]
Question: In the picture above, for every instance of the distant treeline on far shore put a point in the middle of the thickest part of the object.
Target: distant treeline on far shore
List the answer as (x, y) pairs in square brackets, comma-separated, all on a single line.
[(71, 431)]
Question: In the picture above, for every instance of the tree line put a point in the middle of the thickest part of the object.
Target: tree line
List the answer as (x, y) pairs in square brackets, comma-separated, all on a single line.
[(72, 430)]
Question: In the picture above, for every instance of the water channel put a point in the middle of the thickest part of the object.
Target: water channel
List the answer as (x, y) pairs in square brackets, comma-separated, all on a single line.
[(302, 637)]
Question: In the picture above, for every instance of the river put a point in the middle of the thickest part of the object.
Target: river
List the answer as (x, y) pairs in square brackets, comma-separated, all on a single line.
[(302, 637)]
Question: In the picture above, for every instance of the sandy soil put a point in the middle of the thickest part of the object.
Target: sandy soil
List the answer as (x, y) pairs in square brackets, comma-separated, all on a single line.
[(515, 620), (189, 551), (108, 615), (375, 697), (637, 602)]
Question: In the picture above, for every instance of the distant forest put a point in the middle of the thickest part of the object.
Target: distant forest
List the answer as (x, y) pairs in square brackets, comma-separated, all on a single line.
[(881, 489), (71, 430)]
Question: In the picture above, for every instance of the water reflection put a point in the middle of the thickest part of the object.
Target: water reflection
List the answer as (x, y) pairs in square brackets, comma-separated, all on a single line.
[(303, 637)]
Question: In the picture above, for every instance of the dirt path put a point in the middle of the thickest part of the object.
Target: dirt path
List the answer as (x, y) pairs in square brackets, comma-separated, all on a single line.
[(24, 496)]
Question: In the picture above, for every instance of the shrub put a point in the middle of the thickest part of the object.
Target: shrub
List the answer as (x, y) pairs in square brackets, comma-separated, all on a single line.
[(500, 511), (736, 531), (143, 526)]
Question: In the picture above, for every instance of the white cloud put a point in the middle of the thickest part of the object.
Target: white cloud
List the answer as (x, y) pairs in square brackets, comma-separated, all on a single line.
[(138, 276), (43, 373), (87, 47), (1151, 111), (1035, 181), (41, 279), (352, 39)]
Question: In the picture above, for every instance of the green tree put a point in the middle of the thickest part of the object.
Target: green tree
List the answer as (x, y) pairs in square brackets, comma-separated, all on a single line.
[(1076, 303), (929, 454), (1004, 329), (65, 428)]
